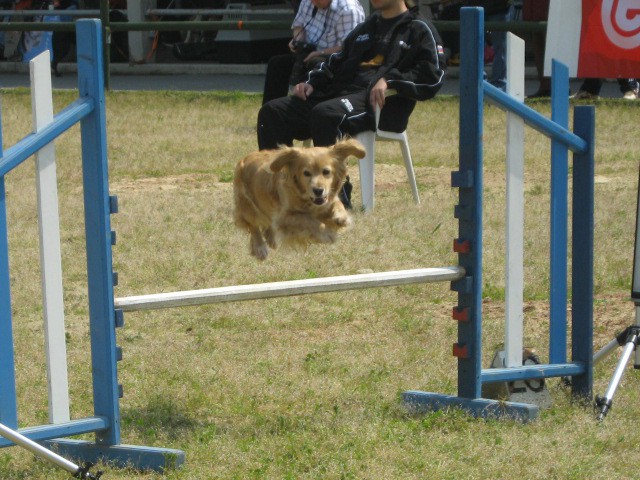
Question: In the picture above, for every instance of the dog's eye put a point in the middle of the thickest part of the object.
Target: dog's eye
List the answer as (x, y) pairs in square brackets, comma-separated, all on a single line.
[(326, 172), (306, 173)]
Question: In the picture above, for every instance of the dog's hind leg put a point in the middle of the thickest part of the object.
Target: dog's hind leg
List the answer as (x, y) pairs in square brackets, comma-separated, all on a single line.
[(300, 228)]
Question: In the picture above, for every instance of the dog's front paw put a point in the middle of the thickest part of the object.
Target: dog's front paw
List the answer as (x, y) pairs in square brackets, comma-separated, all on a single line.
[(258, 248), (260, 252), (343, 220)]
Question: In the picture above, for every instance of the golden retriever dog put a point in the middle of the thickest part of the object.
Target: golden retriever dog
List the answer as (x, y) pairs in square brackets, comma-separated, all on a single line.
[(290, 196)]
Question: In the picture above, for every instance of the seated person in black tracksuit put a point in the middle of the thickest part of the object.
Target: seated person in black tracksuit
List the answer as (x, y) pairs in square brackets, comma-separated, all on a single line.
[(394, 48)]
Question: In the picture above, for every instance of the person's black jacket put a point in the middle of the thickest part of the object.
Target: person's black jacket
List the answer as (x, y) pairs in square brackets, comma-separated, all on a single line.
[(414, 63)]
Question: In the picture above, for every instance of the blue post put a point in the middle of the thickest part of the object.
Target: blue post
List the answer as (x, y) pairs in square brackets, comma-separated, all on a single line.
[(582, 262), (558, 218), (98, 207), (470, 201), (469, 180), (8, 407), (98, 232)]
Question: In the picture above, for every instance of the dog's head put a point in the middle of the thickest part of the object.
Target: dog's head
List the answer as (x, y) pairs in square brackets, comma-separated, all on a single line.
[(316, 174)]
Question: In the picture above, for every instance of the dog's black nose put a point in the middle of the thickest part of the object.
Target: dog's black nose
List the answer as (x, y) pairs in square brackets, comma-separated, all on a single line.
[(318, 192)]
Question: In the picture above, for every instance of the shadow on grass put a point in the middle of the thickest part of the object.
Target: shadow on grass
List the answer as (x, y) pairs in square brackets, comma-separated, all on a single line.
[(161, 417)]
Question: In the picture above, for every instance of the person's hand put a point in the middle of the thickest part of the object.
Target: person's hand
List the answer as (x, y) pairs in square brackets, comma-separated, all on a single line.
[(312, 55), (303, 90), (376, 97), (292, 48)]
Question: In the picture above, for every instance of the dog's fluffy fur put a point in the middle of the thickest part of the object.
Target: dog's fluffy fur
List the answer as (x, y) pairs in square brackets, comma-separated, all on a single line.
[(290, 196)]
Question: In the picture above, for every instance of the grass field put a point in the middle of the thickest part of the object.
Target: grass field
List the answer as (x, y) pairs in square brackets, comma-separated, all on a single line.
[(309, 387)]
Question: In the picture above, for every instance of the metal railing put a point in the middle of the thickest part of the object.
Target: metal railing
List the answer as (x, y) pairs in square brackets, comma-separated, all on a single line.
[(209, 25), (284, 23)]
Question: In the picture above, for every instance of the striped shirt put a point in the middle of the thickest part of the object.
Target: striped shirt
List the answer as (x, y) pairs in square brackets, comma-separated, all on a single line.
[(328, 27)]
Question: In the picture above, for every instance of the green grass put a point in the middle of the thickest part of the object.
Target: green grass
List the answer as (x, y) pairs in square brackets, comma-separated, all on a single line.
[(309, 387)]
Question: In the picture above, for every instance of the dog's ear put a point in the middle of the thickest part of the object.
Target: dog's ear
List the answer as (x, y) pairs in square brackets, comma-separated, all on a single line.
[(346, 148), (285, 158)]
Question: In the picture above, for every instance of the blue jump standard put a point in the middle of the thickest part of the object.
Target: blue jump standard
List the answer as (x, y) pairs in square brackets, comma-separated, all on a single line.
[(424, 402), (89, 111), (468, 245)]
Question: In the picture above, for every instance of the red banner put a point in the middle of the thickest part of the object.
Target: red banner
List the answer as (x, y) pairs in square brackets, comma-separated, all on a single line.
[(610, 39)]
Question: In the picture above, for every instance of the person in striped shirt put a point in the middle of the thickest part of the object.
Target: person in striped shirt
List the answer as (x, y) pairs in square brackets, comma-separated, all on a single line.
[(319, 28)]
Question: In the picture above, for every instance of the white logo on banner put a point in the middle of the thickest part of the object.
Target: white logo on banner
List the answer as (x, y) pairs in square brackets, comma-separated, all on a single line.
[(621, 22)]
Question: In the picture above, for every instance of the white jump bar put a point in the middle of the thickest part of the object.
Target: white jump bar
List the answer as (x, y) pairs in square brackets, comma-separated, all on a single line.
[(288, 288)]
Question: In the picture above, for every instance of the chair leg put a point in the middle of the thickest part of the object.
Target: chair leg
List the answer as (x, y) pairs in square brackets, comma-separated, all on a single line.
[(408, 164), (367, 175)]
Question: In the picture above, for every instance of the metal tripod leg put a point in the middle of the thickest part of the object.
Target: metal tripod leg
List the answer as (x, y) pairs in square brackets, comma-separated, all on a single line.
[(636, 363), (619, 341), (603, 404), (40, 451), (628, 338), (606, 350)]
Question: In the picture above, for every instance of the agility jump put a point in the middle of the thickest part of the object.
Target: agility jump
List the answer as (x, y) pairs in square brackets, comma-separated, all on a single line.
[(89, 111), (106, 312), (468, 179)]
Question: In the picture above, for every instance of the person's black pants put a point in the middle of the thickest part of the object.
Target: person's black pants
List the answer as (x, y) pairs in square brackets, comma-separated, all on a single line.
[(283, 120), (276, 81), (593, 85), (325, 120)]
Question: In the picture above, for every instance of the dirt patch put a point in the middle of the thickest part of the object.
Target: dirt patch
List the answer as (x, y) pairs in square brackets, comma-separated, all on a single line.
[(611, 315), (195, 181), (388, 177)]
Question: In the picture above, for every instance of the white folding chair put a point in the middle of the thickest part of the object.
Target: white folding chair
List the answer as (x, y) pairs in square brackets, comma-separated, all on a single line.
[(366, 164)]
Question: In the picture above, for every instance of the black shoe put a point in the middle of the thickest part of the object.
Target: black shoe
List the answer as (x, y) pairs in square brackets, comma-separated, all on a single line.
[(345, 194)]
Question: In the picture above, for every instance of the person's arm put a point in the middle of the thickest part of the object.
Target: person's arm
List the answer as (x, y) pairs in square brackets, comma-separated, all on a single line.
[(303, 17), (420, 72), (298, 36), (346, 20), (342, 24), (321, 77), (323, 52)]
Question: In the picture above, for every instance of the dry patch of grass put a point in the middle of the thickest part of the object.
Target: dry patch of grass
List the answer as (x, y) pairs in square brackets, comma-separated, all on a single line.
[(308, 387)]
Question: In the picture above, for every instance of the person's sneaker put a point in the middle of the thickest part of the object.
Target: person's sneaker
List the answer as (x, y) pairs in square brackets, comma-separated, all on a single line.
[(584, 95), (630, 95)]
